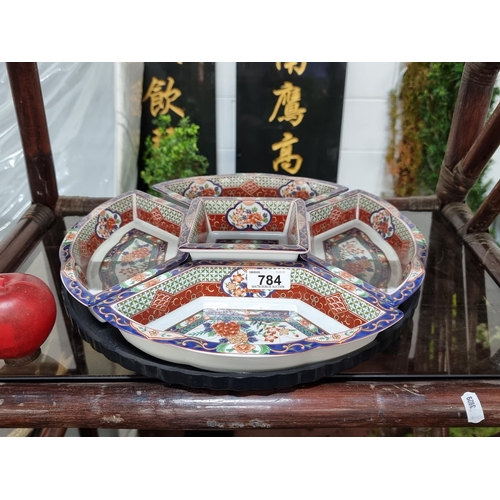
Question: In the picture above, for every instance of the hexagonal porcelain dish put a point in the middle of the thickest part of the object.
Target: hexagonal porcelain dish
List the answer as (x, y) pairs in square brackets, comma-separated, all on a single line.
[(270, 229), (312, 191), (120, 243), (362, 237), (211, 315)]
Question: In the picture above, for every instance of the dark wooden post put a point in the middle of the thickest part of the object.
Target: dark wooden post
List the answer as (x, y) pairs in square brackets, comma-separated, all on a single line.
[(471, 109), (30, 111), (469, 117), (487, 212), (24, 238)]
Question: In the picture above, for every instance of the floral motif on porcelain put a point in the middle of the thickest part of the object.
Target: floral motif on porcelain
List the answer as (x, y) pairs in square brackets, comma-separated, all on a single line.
[(134, 254), (107, 223), (381, 221), (297, 189), (202, 187), (355, 253), (248, 214), (218, 228), (246, 330), (235, 285)]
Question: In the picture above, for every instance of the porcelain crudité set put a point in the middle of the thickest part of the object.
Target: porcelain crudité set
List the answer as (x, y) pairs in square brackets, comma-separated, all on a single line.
[(245, 272)]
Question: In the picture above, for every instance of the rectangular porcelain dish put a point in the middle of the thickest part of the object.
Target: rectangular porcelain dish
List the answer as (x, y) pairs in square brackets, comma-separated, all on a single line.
[(245, 229)]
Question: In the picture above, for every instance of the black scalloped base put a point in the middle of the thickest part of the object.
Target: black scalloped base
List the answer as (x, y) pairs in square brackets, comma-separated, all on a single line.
[(107, 340)]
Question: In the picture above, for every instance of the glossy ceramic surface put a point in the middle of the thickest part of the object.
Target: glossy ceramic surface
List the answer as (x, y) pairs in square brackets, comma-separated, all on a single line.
[(205, 315), (363, 238), (121, 243), (312, 191), (245, 229)]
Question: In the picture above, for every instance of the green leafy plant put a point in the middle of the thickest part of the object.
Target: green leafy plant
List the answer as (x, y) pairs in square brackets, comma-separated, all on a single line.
[(406, 150), (423, 110), (173, 152), (436, 105)]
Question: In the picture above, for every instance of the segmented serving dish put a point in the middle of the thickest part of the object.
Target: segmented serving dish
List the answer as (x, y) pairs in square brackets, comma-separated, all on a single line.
[(177, 276)]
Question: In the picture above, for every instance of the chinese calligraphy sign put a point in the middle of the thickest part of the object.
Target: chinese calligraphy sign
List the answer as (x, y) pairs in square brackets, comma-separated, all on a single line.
[(288, 98), (161, 98), (289, 162), (289, 117)]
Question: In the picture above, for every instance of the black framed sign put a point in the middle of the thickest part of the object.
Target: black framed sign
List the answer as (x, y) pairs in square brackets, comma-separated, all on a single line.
[(289, 116), (179, 89)]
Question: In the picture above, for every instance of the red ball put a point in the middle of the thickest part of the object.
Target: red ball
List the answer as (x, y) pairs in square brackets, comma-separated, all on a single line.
[(27, 314)]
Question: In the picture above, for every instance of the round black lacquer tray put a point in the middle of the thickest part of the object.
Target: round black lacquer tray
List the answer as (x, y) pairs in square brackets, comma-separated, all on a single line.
[(107, 340)]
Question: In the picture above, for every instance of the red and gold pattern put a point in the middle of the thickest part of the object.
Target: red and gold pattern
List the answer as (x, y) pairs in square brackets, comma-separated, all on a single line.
[(218, 222), (332, 305), (156, 219), (334, 219)]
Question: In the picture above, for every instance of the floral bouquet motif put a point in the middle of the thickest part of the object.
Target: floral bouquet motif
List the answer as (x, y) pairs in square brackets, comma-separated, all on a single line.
[(297, 189), (235, 285), (381, 221), (248, 214), (202, 187), (107, 223)]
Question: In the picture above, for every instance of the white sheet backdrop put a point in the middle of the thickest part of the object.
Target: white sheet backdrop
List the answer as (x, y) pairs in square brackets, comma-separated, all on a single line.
[(93, 116)]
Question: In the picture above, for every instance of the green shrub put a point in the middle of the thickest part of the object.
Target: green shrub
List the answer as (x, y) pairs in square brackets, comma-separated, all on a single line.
[(173, 153)]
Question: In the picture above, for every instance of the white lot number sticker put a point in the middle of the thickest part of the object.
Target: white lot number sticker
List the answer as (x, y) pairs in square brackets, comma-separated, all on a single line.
[(268, 279), (473, 407)]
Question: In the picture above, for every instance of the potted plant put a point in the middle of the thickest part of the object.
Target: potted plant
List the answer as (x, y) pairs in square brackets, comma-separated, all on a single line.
[(173, 152)]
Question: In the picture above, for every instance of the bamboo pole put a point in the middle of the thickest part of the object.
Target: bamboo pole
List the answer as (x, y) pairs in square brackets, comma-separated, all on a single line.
[(471, 109), (483, 148), (30, 111), (23, 239), (468, 135), (487, 212)]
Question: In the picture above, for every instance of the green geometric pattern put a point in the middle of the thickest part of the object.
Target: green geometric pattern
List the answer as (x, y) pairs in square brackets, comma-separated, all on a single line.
[(321, 213), (172, 215), (137, 304), (215, 274), (200, 217), (122, 205), (86, 231), (404, 234), (348, 203), (177, 284), (145, 204), (293, 232), (361, 308), (369, 205)]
